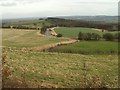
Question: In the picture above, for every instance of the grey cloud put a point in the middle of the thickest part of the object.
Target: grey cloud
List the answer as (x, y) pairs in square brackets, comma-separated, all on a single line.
[(8, 4), (17, 2), (96, 2)]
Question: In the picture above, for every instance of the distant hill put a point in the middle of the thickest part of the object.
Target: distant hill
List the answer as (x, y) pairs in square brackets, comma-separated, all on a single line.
[(100, 22), (18, 20), (111, 19), (82, 23)]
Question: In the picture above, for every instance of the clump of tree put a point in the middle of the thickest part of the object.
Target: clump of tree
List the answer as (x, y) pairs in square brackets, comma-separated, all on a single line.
[(83, 23), (108, 37), (43, 29), (89, 36), (117, 36), (81, 36), (97, 37), (59, 35)]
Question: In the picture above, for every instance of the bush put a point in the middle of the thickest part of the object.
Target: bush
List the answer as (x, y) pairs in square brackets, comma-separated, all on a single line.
[(108, 37), (96, 36), (117, 36), (88, 36), (59, 35), (43, 29), (81, 36)]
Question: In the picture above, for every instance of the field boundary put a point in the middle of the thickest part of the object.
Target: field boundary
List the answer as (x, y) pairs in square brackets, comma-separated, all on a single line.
[(50, 46)]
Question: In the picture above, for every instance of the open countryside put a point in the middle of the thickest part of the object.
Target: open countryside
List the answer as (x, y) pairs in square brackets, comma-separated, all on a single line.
[(44, 54)]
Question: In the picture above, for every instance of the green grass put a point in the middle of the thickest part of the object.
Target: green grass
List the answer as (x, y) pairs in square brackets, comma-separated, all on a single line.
[(24, 68), (38, 69), (73, 32), (89, 47), (24, 38), (30, 24)]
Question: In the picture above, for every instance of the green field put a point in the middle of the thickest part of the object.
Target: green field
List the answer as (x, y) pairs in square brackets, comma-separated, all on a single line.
[(26, 38), (89, 47), (30, 24), (57, 70), (73, 32), (25, 68)]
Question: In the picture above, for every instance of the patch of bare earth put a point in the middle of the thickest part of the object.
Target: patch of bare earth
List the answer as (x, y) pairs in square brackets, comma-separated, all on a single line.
[(100, 30)]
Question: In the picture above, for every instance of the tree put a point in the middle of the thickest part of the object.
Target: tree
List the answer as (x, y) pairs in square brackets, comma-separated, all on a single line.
[(88, 36), (81, 36), (108, 37), (59, 35), (96, 36), (117, 36), (43, 29)]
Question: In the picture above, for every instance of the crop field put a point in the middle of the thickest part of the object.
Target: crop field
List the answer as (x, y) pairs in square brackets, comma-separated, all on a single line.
[(89, 47), (26, 38), (35, 69), (73, 32), (58, 70)]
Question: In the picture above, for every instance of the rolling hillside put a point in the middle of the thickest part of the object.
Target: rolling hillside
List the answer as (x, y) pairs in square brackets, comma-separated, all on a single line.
[(26, 38), (25, 66), (72, 32), (28, 69)]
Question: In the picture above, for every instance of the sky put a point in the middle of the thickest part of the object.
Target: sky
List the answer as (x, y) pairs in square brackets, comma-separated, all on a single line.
[(45, 8)]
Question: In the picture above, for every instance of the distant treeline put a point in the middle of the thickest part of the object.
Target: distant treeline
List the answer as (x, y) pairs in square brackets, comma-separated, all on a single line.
[(97, 37), (82, 23), (68, 23), (19, 27)]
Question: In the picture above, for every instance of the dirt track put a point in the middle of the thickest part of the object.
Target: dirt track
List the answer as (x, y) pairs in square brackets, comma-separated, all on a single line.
[(100, 30), (45, 47), (49, 46)]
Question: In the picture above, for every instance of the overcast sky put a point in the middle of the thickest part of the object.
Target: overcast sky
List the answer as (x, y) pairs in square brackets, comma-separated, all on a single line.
[(44, 8)]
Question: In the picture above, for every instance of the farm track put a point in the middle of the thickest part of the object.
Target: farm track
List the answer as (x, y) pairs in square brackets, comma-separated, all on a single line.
[(45, 47), (100, 30), (42, 48), (49, 46)]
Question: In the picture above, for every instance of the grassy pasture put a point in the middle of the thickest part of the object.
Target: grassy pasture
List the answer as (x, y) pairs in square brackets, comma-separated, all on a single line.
[(26, 38), (89, 47), (30, 24), (47, 70), (73, 32)]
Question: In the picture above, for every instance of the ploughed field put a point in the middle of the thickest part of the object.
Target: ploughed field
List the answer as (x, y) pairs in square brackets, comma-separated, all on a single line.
[(25, 68)]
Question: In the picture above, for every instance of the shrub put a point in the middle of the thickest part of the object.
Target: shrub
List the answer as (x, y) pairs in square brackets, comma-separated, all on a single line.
[(88, 36), (59, 35), (96, 36), (108, 37), (117, 36), (81, 36), (43, 29)]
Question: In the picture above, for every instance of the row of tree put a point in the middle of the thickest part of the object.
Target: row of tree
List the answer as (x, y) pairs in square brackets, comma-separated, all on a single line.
[(96, 37), (70, 23), (82, 23), (4, 25)]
